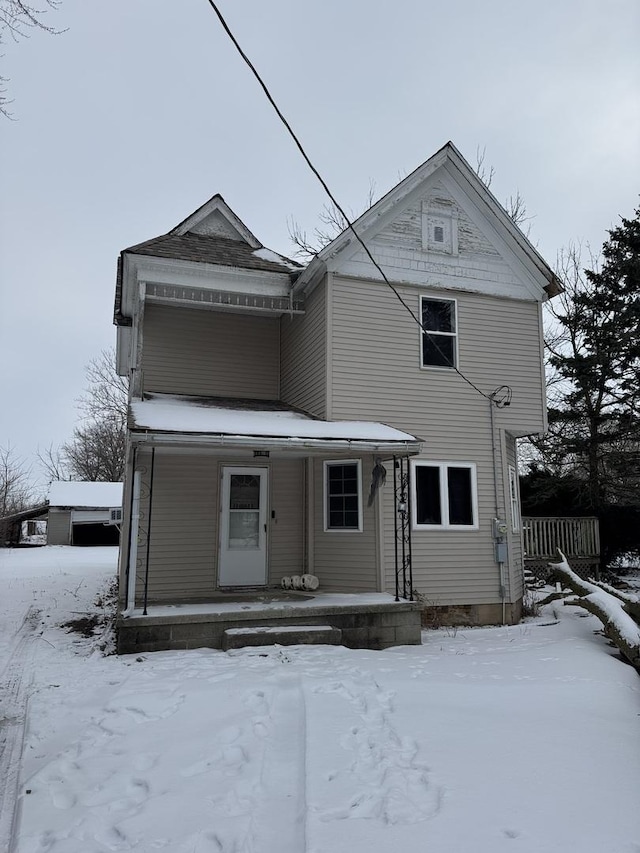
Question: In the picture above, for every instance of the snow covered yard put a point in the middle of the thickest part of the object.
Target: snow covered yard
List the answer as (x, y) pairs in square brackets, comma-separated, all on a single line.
[(506, 739)]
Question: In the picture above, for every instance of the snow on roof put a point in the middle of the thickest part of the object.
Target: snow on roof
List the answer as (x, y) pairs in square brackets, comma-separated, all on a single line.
[(169, 413), (268, 255), (83, 493)]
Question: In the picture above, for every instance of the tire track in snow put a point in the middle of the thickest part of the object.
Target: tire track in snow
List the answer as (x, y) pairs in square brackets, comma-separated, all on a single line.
[(283, 780), (13, 711)]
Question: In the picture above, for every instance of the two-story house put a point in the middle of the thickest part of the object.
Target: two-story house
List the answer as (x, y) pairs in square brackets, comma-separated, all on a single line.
[(320, 421)]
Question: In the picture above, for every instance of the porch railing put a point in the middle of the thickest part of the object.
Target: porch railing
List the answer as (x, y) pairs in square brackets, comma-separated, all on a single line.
[(577, 538)]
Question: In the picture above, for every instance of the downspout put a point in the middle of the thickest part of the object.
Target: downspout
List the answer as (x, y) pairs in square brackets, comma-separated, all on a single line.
[(497, 543)]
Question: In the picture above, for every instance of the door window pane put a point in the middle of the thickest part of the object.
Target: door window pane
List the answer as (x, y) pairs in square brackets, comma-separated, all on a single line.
[(244, 511), (244, 530), (244, 491)]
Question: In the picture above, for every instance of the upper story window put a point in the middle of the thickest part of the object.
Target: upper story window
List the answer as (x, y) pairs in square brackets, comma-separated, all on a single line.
[(440, 336), (445, 495), (342, 496)]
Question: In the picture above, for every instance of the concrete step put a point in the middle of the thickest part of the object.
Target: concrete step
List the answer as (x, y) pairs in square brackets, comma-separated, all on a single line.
[(281, 635)]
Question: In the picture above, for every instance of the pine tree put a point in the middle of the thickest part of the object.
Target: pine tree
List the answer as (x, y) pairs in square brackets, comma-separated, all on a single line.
[(595, 422)]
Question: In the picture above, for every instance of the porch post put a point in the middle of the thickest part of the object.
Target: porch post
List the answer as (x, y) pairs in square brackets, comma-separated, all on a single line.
[(133, 539), (395, 522), (146, 569), (310, 521)]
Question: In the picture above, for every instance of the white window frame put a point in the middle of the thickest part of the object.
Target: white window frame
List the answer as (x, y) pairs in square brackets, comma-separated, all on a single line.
[(514, 499), (444, 494), (328, 463), (424, 297)]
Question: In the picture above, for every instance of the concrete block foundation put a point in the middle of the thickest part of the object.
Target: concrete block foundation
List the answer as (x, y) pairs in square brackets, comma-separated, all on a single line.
[(364, 626)]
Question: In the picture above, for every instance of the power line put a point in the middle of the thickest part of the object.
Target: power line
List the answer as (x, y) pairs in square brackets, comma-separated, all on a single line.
[(263, 86)]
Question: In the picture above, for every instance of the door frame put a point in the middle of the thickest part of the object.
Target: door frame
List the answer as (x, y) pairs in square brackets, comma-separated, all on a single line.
[(256, 575)]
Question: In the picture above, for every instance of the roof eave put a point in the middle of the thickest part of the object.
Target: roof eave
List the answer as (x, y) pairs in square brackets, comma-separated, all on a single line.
[(316, 446)]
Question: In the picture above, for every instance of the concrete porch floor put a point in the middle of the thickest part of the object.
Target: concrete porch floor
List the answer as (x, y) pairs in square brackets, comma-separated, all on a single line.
[(366, 620)]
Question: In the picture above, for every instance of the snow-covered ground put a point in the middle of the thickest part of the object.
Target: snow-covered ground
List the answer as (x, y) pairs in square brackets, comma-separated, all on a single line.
[(522, 739)]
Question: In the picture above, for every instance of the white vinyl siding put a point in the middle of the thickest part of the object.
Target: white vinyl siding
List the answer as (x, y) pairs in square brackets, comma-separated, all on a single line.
[(286, 523), (210, 353), (184, 548), (184, 524), (376, 376), (348, 562), (304, 356)]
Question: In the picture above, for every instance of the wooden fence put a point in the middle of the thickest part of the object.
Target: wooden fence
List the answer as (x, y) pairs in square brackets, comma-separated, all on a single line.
[(577, 538)]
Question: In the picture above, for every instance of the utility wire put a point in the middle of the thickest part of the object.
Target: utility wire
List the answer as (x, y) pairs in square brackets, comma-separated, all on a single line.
[(263, 86)]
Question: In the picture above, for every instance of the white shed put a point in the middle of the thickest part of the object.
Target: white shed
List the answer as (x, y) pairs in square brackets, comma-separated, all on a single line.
[(79, 513)]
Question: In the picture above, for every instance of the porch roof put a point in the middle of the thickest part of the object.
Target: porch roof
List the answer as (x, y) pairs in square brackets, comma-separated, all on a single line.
[(169, 418)]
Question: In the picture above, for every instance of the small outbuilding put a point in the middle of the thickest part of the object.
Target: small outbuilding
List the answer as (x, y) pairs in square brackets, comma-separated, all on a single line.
[(80, 513)]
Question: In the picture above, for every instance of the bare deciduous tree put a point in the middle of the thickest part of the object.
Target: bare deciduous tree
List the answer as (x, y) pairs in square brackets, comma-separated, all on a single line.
[(16, 492), (97, 449), (332, 224), (515, 204), (17, 19), (53, 464), (105, 396)]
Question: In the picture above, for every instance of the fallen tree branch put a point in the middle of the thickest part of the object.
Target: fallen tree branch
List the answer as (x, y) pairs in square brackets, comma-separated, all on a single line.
[(631, 602), (619, 624)]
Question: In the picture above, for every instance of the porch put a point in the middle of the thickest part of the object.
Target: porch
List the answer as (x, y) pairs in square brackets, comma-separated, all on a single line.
[(366, 620), (577, 537), (248, 494)]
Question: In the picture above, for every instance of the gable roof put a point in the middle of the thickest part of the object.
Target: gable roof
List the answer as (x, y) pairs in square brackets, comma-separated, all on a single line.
[(212, 234), (215, 217), (202, 248), (449, 157)]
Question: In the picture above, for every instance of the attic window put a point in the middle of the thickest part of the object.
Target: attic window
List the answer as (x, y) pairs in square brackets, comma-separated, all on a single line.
[(439, 228)]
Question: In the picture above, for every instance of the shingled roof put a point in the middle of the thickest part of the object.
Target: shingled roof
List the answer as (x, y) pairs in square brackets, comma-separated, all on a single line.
[(212, 234), (208, 249)]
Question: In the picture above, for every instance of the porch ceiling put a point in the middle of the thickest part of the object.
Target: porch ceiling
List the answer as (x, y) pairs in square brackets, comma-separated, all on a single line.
[(166, 419)]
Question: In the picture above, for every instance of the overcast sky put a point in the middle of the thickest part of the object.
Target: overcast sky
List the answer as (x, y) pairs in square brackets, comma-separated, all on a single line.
[(142, 110)]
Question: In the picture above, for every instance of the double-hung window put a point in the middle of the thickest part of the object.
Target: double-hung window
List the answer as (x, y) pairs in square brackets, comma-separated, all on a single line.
[(440, 332), (444, 495), (343, 496)]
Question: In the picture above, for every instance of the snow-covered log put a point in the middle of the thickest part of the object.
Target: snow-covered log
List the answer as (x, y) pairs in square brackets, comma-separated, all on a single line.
[(612, 610), (631, 601)]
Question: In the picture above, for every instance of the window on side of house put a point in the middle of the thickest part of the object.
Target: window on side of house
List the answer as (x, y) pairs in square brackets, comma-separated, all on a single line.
[(440, 335), (444, 496), (343, 496), (514, 498)]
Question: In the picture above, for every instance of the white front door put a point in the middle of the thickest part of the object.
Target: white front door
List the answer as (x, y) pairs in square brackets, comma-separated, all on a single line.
[(243, 527)]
